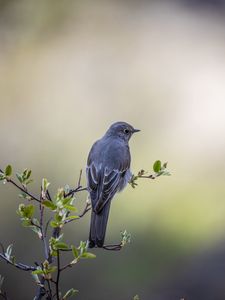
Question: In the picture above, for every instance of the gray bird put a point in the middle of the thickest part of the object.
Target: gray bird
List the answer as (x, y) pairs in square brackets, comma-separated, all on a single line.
[(108, 172)]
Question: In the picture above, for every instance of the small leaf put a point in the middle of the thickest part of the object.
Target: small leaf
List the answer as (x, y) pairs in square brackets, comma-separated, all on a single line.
[(45, 184), (28, 174), (58, 218), (157, 166), (49, 204), (9, 251), (66, 200), (165, 165), (38, 272), (70, 207), (69, 293), (13, 259), (19, 177), (29, 211), (136, 297), (61, 245), (8, 170), (26, 223), (75, 251), (37, 230), (54, 224), (24, 196), (26, 211), (88, 255), (2, 176)]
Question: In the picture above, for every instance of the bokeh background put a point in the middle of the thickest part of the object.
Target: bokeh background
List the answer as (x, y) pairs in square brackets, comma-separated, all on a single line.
[(68, 69)]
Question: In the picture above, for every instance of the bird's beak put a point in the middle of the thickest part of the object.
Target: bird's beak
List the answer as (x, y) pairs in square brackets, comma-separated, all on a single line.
[(136, 130)]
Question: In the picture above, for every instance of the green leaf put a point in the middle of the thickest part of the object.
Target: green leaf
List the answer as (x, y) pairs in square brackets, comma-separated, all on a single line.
[(54, 224), (75, 251), (2, 176), (61, 246), (72, 218), (24, 196), (126, 238), (26, 211), (26, 222), (88, 255), (30, 211), (45, 184), (49, 204), (38, 272), (83, 247), (19, 177), (8, 170), (28, 173), (69, 293), (66, 200), (58, 218), (70, 207), (136, 297), (157, 166), (36, 230), (29, 181)]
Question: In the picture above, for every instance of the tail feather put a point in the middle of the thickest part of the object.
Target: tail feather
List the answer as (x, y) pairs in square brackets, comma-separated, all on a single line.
[(98, 226)]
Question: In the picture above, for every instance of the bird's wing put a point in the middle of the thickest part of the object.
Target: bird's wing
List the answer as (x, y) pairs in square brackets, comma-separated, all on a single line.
[(103, 183)]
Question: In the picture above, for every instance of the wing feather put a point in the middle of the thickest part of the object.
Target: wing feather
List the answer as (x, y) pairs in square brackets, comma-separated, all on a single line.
[(103, 184)]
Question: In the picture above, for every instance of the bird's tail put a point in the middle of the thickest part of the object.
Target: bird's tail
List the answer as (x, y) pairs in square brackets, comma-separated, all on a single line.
[(98, 226)]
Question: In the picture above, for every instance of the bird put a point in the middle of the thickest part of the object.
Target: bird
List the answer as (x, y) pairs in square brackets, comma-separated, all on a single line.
[(107, 172)]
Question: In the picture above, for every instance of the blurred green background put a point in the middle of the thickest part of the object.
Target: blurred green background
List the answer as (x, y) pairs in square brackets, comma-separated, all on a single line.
[(68, 69)]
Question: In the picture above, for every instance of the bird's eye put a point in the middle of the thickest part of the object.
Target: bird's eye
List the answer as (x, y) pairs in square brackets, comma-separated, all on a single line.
[(126, 131)]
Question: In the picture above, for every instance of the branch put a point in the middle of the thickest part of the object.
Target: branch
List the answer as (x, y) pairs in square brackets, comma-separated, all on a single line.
[(58, 275), (20, 188), (86, 209), (116, 247), (20, 266), (76, 190), (43, 233), (158, 168)]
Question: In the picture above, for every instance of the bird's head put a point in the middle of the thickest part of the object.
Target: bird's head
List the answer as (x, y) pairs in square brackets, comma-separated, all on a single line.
[(122, 130)]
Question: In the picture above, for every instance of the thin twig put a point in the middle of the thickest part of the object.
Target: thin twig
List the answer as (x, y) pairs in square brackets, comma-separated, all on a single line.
[(76, 190), (20, 188), (66, 266), (35, 225), (58, 275), (23, 190), (20, 266), (41, 291), (48, 195), (43, 236), (49, 289), (86, 209), (79, 180), (149, 177), (46, 226)]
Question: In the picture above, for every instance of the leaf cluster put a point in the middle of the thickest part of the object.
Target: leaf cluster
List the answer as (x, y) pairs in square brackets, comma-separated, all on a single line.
[(159, 169)]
